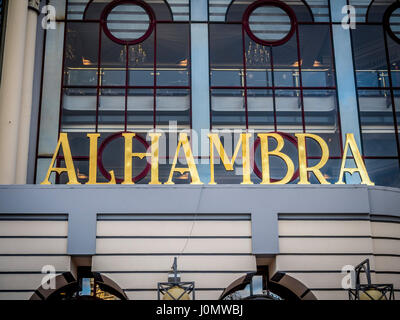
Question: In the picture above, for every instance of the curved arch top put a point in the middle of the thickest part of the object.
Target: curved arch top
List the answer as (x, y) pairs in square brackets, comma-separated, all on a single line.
[(235, 10), (286, 288), (162, 10), (376, 10), (67, 282)]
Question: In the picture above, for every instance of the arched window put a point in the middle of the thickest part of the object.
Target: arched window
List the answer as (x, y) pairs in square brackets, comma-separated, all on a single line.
[(88, 286), (272, 70), (257, 287), (376, 50), (125, 67)]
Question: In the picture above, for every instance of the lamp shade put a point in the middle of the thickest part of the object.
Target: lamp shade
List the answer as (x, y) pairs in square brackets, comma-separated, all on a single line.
[(372, 294), (175, 293)]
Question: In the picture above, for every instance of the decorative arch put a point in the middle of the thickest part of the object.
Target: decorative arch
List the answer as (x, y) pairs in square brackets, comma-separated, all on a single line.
[(294, 285), (232, 4), (159, 16), (286, 287), (376, 14), (66, 282)]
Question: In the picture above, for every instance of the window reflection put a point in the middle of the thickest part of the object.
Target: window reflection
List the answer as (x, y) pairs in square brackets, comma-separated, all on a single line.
[(377, 126), (376, 57)]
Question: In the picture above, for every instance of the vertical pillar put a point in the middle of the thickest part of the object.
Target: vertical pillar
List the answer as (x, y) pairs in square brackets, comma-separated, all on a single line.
[(346, 82), (200, 81), (27, 88), (11, 88)]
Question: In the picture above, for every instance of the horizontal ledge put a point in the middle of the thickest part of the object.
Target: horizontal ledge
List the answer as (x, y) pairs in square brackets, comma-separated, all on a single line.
[(174, 254), (33, 237), (323, 237), (352, 218), (34, 255), (199, 187), (341, 289), (340, 254), (337, 237), (22, 290), (155, 290), (198, 219), (173, 237), (325, 254), (30, 272), (180, 271), (173, 217), (335, 271)]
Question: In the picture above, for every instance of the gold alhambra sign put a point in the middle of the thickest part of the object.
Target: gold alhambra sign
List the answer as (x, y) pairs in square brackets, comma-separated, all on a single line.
[(215, 144)]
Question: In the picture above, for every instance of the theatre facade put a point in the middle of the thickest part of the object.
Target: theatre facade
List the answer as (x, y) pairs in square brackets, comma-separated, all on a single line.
[(200, 149)]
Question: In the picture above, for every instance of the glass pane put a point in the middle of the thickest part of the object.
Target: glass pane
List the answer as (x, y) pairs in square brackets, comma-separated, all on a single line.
[(286, 64), (322, 119), (377, 125), (228, 108), (258, 64), (112, 110), (113, 63), (140, 109), (173, 55), (81, 54), (79, 110), (173, 105), (261, 109), (370, 56), (316, 56), (226, 55), (289, 111), (141, 63), (394, 54), (384, 172)]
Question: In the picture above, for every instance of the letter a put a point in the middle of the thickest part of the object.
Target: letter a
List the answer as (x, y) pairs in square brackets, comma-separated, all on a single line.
[(69, 163), (361, 169)]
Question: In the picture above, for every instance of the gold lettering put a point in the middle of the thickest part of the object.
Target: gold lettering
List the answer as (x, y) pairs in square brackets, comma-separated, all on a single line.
[(94, 137), (69, 163), (265, 154), (129, 155), (184, 142), (228, 164), (155, 145), (361, 169), (304, 170)]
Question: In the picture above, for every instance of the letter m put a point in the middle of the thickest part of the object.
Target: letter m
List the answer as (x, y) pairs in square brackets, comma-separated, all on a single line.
[(228, 164)]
